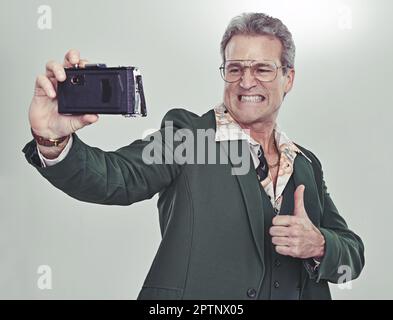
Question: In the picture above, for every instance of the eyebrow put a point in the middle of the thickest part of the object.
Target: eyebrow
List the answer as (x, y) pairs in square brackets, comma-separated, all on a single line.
[(235, 62), (262, 64)]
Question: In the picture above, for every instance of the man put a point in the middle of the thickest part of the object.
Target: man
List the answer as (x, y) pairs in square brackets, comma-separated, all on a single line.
[(271, 232)]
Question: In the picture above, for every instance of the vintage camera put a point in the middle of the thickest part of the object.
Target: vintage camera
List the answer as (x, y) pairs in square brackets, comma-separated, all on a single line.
[(102, 90)]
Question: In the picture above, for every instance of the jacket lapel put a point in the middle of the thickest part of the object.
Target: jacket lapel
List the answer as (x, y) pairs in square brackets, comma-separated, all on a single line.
[(250, 190), (303, 174)]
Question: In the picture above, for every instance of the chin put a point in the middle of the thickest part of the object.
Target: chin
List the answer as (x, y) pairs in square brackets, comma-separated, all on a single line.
[(248, 121), (247, 110), (245, 117)]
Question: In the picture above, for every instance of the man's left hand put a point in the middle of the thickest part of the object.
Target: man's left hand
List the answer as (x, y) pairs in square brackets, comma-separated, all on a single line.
[(295, 235)]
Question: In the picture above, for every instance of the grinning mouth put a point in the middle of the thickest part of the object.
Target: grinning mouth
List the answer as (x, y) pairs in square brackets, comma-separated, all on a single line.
[(251, 98)]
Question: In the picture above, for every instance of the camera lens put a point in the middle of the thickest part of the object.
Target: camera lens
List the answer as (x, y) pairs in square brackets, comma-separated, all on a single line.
[(75, 80)]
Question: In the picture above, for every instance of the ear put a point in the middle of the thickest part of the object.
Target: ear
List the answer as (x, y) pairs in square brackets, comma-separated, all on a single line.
[(289, 79)]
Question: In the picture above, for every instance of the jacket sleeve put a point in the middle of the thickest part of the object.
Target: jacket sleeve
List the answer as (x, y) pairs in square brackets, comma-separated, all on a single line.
[(121, 177), (344, 250)]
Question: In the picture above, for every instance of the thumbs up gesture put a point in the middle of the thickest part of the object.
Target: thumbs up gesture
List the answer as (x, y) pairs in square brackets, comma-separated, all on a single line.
[(295, 235)]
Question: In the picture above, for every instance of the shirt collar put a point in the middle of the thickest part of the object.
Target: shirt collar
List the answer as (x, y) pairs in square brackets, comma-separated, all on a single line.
[(228, 129)]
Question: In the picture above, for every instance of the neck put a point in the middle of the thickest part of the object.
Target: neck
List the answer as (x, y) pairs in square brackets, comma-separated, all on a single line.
[(263, 133)]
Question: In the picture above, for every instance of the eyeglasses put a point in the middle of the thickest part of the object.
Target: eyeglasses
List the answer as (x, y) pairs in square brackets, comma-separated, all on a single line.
[(263, 70)]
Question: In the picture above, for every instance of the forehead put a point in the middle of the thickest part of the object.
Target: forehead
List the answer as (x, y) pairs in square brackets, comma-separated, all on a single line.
[(250, 47)]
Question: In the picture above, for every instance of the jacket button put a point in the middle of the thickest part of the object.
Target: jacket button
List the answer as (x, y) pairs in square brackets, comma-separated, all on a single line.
[(275, 210), (277, 263), (251, 293), (276, 284)]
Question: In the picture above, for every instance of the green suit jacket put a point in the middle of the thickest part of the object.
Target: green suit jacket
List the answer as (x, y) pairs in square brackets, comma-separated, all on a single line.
[(211, 220)]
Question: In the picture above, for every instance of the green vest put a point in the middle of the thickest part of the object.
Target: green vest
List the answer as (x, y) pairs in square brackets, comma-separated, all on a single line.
[(283, 273)]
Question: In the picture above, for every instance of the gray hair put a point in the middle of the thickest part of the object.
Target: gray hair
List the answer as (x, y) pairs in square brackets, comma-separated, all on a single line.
[(261, 24)]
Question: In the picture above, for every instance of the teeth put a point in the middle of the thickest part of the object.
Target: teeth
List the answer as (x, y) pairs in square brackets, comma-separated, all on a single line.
[(251, 98)]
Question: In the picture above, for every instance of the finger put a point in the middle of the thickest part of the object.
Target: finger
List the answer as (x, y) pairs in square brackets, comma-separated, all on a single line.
[(283, 250), (71, 58), (299, 199), (83, 63), (279, 231), (284, 220), (54, 82), (56, 70), (43, 86), (295, 231), (281, 241)]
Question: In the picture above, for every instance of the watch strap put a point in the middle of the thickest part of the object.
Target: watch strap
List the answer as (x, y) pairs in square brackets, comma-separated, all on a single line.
[(47, 142)]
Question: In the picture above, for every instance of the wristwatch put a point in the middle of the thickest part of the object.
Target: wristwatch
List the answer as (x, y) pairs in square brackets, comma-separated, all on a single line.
[(47, 142)]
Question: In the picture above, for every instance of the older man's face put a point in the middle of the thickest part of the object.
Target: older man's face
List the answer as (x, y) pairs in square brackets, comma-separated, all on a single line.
[(264, 98)]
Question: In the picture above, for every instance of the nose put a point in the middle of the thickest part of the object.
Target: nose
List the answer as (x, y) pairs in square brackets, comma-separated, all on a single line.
[(248, 80)]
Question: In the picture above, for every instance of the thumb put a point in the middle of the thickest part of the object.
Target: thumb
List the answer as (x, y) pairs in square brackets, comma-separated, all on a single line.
[(299, 209), (89, 119), (78, 122)]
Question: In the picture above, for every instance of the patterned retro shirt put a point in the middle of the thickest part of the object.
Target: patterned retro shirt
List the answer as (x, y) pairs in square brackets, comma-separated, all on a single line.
[(228, 129)]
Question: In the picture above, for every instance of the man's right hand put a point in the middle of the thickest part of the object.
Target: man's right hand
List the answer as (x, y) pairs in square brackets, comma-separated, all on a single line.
[(44, 118)]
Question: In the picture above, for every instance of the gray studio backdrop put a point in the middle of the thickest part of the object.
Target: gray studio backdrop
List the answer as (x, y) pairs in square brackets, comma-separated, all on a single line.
[(340, 108)]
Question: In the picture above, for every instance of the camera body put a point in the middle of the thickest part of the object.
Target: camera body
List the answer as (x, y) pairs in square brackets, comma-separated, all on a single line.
[(100, 89)]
